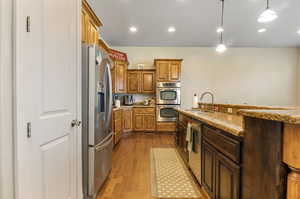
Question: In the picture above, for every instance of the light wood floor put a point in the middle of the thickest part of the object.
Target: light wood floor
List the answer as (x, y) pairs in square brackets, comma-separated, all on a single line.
[(130, 175)]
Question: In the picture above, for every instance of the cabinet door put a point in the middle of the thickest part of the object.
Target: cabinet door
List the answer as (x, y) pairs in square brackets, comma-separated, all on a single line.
[(133, 81), (138, 122), (227, 178), (175, 71), (127, 118), (120, 76), (208, 169), (94, 34), (83, 26), (162, 68), (149, 122), (148, 82)]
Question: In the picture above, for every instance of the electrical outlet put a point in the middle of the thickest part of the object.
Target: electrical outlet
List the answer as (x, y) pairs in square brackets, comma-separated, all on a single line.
[(229, 110)]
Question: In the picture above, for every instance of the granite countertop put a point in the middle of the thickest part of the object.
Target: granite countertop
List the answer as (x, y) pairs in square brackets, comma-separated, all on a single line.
[(248, 106), (286, 116), (230, 123)]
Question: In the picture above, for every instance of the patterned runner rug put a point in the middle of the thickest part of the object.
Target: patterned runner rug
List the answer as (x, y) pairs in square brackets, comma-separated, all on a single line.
[(170, 177)]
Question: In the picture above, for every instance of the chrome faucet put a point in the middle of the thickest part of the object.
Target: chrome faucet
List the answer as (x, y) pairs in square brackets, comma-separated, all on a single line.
[(212, 98)]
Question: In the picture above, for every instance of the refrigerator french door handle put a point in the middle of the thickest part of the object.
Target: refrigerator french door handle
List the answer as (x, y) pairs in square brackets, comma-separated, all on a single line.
[(110, 101), (100, 147)]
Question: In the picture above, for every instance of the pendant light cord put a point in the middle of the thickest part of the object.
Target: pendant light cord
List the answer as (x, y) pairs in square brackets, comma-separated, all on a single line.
[(222, 19), (268, 4), (222, 22)]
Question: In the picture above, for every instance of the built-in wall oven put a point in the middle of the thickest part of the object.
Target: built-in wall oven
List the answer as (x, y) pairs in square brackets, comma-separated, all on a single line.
[(168, 93), (166, 113)]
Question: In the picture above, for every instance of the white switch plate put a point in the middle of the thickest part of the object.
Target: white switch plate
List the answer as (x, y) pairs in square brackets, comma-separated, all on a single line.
[(229, 110)]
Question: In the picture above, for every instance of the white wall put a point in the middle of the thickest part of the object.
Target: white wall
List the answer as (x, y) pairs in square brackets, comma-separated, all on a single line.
[(6, 138), (256, 76)]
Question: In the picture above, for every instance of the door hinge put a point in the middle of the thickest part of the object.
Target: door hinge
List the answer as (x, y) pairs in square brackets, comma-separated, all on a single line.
[(28, 130), (28, 24)]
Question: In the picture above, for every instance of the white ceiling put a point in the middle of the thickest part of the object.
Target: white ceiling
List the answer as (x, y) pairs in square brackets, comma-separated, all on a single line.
[(196, 21)]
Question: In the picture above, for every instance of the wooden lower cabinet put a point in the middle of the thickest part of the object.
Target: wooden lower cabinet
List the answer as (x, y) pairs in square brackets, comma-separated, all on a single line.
[(149, 122), (144, 119), (181, 141), (208, 169), (127, 119), (166, 126), (138, 122), (117, 124), (227, 178), (220, 159), (221, 176)]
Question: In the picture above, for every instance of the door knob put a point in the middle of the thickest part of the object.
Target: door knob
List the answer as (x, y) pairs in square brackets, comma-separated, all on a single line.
[(73, 123)]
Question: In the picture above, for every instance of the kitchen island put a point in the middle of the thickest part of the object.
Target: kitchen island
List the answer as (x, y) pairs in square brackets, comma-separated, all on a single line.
[(249, 154), (275, 149), (220, 150)]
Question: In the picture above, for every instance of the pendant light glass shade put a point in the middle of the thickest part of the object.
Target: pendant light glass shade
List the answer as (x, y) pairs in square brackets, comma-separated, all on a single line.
[(221, 48), (220, 29), (267, 15)]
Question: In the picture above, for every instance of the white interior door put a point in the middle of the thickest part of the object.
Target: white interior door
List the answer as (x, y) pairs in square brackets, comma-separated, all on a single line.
[(47, 97)]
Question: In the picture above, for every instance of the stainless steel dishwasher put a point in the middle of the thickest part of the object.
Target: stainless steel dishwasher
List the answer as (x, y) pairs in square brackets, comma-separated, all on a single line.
[(195, 153)]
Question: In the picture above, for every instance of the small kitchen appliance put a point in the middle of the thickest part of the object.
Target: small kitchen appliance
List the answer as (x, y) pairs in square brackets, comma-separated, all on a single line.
[(128, 100)]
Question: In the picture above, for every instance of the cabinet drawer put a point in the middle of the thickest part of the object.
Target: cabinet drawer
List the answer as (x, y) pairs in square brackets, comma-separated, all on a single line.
[(144, 110), (166, 126), (228, 146)]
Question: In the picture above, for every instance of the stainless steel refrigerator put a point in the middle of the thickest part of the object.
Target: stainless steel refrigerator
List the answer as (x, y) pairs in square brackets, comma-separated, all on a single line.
[(96, 119)]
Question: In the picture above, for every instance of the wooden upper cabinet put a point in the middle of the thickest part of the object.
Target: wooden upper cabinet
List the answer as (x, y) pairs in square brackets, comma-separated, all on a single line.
[(133, 81), (175, 71), (84, 18), (141, 81), (148, 82), (162, 68), (119, 73), (90, 24), (168, 70)]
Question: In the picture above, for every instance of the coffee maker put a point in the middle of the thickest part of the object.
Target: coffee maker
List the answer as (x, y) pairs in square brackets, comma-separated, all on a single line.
[(128, 100)]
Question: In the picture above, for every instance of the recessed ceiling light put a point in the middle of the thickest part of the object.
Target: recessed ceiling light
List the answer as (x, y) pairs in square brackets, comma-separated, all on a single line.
[(298, 31), (133, 29), (261, 30), (171, 29)]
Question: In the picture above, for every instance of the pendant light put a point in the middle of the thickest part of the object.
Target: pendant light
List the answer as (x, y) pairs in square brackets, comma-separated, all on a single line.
[(221, 47), (220, 29), (267, 15)]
